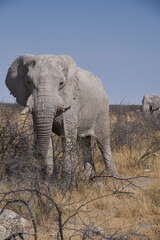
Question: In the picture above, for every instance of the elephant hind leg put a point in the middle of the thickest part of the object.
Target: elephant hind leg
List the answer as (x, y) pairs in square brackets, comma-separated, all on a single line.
[(103, 141), (89, 168), (104, 147)]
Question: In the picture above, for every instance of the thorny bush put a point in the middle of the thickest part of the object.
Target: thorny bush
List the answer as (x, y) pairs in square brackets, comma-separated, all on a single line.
[(33, 198)]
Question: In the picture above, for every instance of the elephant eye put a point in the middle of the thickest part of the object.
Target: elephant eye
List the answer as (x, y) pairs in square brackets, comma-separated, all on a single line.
[(61, 85), (29, 83)]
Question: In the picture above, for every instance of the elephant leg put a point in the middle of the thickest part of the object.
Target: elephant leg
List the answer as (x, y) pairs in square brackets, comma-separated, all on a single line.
[(104, 146), (89, 168), (69, 143), (103, 141), (51, 169), (69, 161)]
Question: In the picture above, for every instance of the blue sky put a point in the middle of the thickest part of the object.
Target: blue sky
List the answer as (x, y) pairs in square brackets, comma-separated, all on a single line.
[(118, 40)]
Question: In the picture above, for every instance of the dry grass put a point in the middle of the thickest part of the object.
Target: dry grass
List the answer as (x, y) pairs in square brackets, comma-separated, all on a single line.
[(128, 208), (133, 211)]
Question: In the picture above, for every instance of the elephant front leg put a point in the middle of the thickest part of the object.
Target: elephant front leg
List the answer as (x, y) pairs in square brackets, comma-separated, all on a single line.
[(50, 164), (89, 168), (69, 141), (69, 161)]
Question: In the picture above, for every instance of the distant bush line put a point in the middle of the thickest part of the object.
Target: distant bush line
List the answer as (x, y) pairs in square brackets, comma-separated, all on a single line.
[(113, 107), (123, 108), (8, 106)]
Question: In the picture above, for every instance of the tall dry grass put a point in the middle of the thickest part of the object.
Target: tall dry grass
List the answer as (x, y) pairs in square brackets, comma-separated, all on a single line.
[(102, 208)]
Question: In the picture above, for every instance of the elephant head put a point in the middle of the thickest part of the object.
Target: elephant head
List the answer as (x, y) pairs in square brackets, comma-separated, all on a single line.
[(46, 85), (150, 103)]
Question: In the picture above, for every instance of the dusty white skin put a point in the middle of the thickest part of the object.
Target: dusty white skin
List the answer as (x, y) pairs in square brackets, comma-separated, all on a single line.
[(66, 100), (151, 105)]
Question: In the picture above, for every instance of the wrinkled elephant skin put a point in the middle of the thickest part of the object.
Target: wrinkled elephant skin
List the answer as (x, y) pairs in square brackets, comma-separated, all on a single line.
[(67, 100)]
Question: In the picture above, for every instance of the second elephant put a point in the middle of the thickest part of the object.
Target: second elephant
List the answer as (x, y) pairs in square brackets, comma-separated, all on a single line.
[(151, 104)]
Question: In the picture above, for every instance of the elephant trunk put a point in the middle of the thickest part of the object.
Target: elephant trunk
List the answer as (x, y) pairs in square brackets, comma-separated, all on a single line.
[(42, 133), (43, 129), (44, 110)]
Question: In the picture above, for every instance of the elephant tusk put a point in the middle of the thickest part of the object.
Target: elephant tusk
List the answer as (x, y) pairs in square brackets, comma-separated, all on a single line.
[(25, 110), (62, 108)]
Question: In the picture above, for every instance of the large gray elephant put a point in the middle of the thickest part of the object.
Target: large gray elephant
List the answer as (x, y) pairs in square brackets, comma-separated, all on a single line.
[(151, 104), (67, 100)]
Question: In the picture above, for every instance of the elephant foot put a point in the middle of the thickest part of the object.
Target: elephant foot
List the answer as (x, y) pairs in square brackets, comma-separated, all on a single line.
[(111, 168), (112, 173), (68, 181), (89, 172)]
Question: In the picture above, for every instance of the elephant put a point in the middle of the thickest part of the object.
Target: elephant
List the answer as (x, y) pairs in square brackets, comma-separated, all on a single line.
[(66, 100), (151, 103)]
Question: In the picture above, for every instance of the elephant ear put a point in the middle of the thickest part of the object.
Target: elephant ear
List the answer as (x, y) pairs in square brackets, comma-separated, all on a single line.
[(155, 102), (69, 91), (144, 99), (15, 81)]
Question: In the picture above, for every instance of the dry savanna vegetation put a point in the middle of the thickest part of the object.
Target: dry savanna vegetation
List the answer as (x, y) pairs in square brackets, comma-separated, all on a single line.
[(100, 208)]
